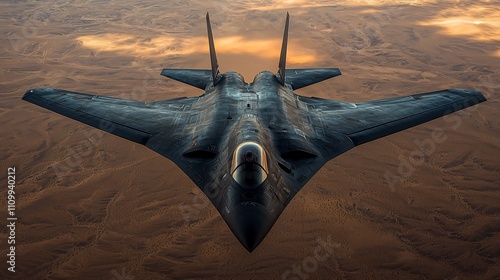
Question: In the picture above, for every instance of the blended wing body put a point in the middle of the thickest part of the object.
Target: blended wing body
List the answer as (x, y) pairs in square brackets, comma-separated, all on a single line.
[(250, 147)]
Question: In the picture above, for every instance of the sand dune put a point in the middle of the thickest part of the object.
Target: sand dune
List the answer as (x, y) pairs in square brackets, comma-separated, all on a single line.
[(94, 206)]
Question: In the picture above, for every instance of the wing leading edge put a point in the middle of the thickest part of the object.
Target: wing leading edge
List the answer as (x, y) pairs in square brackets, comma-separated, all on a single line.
[(133, 120), (367, 121)]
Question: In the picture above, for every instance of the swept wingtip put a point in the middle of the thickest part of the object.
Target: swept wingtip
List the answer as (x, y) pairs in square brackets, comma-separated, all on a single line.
[(31, 92), (471, 94), (27, 94), (479, 95), (34, 92)]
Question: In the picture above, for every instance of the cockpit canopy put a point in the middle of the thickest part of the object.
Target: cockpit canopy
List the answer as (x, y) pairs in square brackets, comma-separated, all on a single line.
[(249, 165)]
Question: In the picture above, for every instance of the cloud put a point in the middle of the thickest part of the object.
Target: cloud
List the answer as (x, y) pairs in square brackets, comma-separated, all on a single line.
[(480, 23), (290, 4), (148, 47), (169, 45)]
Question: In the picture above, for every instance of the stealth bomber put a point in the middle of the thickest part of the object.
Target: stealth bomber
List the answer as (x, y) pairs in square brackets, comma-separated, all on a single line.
[(251, 147)]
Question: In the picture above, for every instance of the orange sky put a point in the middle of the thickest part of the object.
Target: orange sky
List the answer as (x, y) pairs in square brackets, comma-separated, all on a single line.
[(164, 46)]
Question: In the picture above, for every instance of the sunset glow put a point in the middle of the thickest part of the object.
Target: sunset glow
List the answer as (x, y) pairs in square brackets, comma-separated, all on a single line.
[(477, 23), (289, 4), (165, 46)]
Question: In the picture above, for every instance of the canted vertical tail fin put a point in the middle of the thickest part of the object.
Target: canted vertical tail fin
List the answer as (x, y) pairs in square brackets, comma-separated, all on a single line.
[(296, 78), (282, 63), (213, 55), (299, 78), (199, 78)]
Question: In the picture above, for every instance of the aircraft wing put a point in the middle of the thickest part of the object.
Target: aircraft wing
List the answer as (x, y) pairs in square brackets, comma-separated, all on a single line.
[(157, 125), (340, 126), (367, 121), (133, 120)]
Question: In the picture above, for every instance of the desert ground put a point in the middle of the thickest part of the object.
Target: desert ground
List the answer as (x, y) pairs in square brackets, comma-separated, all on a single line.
[(91, 205)]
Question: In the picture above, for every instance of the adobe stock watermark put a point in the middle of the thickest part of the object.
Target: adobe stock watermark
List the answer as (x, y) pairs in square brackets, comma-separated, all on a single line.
[(192, 210), (310, 264), (29, 29), (85, 147), (121, 275), (368, 35), (200, 201), (427, 147)]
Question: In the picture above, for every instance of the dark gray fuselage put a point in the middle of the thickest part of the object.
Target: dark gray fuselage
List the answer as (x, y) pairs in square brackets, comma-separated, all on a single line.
[(235, 112)]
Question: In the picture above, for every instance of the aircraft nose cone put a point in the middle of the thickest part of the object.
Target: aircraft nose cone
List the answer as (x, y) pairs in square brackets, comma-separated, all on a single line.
[(250, 223)]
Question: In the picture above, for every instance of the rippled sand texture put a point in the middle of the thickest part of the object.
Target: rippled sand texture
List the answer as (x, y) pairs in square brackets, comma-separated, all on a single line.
[(95, 206)]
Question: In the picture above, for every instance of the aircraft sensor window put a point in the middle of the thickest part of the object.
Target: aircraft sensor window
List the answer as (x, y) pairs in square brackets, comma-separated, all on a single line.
[(249, 165)]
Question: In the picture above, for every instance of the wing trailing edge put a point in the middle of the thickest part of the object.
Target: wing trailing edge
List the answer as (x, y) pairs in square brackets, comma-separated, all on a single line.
[(411, 111)]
